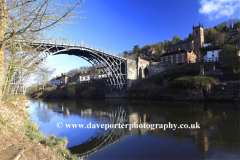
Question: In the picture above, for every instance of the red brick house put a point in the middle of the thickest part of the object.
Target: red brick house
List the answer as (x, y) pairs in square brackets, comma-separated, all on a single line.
[(180, 56)]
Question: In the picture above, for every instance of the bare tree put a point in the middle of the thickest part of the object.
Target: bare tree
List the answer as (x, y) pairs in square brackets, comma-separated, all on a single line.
[(24, 21), (42, 74)]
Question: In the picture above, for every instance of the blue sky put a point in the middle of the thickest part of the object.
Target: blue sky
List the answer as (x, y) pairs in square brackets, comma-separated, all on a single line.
[(122, 24)]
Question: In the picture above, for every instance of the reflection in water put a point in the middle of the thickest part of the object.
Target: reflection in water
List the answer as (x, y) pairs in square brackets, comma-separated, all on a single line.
[(219, 132)]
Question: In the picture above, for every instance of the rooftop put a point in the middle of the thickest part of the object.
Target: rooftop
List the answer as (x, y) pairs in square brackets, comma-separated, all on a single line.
[(182, 42), (214, 48), (175, 52)]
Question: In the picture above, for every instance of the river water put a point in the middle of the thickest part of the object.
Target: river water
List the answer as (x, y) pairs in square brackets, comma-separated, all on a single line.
[(216, 135)]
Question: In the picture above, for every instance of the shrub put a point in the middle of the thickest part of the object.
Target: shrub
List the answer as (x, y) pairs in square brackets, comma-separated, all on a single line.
[(193, 82), (32, 90), (47, 91), (71, 91), (80, 87), (31, 126), (36, 135), (89, 92), (52, 141)]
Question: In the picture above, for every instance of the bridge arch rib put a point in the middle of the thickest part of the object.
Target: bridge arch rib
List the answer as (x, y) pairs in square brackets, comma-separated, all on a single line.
[(113, 66)]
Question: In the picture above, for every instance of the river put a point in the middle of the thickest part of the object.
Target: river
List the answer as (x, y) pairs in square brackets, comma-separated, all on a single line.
[(214, 136)]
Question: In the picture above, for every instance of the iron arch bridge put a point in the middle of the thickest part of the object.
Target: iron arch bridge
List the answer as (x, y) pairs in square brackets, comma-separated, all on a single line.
[(105, 60)]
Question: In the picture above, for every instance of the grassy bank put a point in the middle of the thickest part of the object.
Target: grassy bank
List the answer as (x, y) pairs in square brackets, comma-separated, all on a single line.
[(184, 86), (18, 133), (179, 80), (71, 90)]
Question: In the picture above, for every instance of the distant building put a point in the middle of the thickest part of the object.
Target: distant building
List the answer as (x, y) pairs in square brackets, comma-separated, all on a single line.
[(79, 77), (150, 58), (64, 79), (74, 78), (180, 56), (191, 44), (55, 81), (212, 55), (149, 52), (84, 78)]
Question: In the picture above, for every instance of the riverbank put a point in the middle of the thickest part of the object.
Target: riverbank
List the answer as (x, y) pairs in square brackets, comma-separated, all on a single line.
[(20, 137), (178, 83), (225, 91), (70, 90), (183, 83)]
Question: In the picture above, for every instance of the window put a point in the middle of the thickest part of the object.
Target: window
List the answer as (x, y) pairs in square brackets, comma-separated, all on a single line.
[(183, 55), (212, 51), (171, 56), (166, 57), (183, 61), (212, 55), (176, 55), (171, 61), (161, 58), (196, 32)]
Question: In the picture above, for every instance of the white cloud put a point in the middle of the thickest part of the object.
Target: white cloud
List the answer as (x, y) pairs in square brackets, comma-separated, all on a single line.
[(219, 8)]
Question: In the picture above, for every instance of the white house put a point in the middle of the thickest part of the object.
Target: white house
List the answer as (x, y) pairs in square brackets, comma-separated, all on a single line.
[(84, 78), (212, 55), (55, 81)]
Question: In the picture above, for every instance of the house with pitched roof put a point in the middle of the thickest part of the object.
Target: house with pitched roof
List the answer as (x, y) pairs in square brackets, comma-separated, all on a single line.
[(180, 56), (212, 55), (55, 81)]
